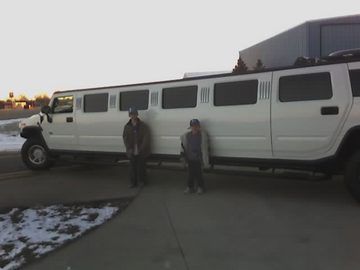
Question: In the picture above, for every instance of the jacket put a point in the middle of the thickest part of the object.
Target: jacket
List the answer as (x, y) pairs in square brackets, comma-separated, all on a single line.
[(205, 150), (143, 139)]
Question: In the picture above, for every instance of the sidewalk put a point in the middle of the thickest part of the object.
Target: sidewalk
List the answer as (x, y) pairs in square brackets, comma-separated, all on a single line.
[(241, 223)]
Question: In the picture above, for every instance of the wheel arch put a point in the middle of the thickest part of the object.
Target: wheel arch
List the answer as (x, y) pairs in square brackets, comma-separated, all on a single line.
[(349, 145), (34, 132)]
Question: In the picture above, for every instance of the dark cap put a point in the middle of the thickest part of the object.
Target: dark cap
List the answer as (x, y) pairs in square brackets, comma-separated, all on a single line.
[(194, 122), (133, 110)]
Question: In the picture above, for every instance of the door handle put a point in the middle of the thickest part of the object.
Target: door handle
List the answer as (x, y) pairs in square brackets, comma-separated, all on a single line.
[(331, 110), (69, 119)]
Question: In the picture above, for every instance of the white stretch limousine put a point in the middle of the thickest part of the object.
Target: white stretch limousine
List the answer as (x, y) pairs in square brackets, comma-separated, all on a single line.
[(296, 117)]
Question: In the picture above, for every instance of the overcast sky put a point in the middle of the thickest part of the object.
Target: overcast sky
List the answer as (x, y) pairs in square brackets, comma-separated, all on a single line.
[(56, 45)]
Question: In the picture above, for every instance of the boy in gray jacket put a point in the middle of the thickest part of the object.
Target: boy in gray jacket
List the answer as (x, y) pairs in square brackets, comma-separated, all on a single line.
[(196, 151)]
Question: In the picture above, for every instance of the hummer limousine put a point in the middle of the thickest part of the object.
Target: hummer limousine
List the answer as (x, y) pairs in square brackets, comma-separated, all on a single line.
[(300, 117)]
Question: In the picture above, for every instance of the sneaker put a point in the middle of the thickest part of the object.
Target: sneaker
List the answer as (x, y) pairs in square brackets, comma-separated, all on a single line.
[(200, 190), (188, 190)]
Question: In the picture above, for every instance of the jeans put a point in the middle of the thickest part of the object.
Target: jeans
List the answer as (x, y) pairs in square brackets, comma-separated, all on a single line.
[(195, 172), (137, 170)]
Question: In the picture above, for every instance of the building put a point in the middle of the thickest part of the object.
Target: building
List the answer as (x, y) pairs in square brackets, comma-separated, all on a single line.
[(205, 73), (311, 39)]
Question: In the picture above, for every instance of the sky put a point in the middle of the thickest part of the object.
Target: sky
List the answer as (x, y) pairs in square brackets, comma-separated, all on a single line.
[(50, 45)]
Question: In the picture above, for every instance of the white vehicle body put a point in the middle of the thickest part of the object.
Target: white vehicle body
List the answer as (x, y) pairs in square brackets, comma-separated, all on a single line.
[(266, 130)]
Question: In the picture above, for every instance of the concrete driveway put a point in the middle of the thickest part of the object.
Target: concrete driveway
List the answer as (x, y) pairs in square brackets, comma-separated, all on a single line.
[(242, 222), (66, 183)]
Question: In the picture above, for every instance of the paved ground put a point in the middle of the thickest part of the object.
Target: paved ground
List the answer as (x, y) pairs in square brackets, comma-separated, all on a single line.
[(62, 184), (243, 222), (10, 162)]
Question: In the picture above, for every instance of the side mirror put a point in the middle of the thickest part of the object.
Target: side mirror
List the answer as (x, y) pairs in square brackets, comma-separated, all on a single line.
[(46, 109)]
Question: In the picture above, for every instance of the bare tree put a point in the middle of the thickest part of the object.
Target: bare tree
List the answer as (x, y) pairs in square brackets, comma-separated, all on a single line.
[(259, 65), (22, 97), (41, 100), (240, 67)]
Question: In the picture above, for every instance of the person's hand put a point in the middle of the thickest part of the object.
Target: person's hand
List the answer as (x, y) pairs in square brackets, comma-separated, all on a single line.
[(183, 159)]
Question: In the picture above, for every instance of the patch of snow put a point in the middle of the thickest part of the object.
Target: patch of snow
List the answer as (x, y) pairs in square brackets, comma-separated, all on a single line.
[(11, 121), (13, 265), (10, 139), (10, 143), (40, 230)]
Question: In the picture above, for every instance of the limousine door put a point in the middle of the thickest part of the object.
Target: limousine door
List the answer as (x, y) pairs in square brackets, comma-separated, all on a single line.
[(60, 133), (239, 121), (309, 106)]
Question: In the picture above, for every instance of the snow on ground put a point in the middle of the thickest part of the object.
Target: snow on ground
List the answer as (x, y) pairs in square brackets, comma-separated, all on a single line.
[(10, 121), (10, 143), (10, 139), (29, 233)]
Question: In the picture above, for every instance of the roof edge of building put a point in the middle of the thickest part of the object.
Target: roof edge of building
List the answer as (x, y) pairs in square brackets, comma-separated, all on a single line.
[(309, 22)]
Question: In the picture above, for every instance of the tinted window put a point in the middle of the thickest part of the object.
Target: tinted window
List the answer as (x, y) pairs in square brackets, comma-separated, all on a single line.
[(235, 93), (179, 97), (138, 99), (96, 102), (355, 82), (63, 104), (315, 86)]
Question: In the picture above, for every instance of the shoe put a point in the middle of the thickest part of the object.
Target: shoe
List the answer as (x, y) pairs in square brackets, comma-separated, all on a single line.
[(188, 190), (200, 190)]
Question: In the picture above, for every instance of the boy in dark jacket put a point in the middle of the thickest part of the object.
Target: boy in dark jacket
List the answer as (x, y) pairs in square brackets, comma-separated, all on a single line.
[(136, 136), (195, 146)]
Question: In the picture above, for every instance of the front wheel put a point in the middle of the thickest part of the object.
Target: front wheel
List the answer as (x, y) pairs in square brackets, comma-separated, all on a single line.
[(35, 155), (352, 176)]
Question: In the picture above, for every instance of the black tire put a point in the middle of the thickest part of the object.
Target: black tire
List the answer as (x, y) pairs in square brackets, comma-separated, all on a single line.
[(352, 176), (35, 155)]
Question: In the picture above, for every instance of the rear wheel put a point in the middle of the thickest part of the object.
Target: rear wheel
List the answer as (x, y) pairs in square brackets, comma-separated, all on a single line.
[(352, 176), (35, 155)]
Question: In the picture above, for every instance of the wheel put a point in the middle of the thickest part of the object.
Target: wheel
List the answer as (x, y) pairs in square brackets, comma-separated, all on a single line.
[(352, 176), (35, 155)]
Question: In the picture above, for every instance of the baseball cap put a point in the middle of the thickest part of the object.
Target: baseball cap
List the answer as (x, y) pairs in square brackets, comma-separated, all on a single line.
[(133, 110), (194, 122)]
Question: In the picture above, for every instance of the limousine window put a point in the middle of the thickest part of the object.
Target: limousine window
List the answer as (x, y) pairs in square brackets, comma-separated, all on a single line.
[(355, 82), (315, 86), (138, 99), (63, 104), (96, 102), (179, 97), (235, 93)]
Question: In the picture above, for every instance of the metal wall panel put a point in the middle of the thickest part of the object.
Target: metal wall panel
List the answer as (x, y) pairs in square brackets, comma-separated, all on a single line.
[(314, 39), (339, 37), (315, 31), (281, 50)]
